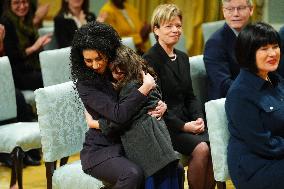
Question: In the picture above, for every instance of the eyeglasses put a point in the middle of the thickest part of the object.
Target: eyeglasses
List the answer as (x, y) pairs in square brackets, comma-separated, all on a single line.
[(18, 2), (239, 9)]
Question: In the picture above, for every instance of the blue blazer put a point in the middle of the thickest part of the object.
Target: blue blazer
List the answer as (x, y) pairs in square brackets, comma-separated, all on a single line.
[(220, 62), (255, 112)]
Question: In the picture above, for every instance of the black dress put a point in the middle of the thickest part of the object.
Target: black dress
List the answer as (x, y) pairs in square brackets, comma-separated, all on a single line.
[(175, 83), (64, 28)]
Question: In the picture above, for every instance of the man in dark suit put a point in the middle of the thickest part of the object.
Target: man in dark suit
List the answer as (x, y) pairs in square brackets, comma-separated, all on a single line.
[(219, 57)]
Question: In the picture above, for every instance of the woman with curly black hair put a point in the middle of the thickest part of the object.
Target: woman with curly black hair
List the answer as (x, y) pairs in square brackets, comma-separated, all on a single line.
[(93, 48)]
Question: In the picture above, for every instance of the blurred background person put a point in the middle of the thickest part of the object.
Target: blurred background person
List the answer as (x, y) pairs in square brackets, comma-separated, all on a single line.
[(184, 118), (39, 11), (125, 20), (24, 114), (22, 44), (72, 15)]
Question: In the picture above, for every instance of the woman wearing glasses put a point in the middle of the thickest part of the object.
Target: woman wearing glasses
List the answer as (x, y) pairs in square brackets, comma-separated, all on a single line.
[(22, 44)]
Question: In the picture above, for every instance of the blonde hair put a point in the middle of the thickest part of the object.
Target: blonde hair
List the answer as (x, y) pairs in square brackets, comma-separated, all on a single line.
[(164, 13)]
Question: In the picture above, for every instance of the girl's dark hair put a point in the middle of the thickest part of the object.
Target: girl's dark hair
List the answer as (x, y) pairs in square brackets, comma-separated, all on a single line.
[(250, 39), (128, 61), (65, 9), (92, 36)]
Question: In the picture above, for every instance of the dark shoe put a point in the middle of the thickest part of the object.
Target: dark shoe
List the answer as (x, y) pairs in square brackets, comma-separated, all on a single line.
[(29, 161), (6, 160)]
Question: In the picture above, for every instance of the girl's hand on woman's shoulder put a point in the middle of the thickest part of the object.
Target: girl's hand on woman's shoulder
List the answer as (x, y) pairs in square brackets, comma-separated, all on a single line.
[(148, 83)]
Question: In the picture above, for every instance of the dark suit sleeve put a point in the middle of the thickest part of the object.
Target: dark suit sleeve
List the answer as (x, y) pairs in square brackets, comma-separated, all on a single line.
[(108, 126), (217, 67), (117, 111)]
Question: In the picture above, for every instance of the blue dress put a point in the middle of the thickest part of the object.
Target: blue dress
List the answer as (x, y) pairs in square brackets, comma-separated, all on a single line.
[(255, 112), (166, 178)]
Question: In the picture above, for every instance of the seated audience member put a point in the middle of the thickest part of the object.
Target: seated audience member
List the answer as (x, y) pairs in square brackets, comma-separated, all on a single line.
[(184, 118), (39, 11), (24, 114), (219, 57), (72, 15), (255, 111), (22, 44), (125, 20)]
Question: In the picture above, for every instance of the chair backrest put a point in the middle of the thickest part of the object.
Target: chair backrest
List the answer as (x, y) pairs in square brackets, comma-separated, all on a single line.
[(198, 77), (129, 42), (48, 30), (218, 136), (8, 105), (61, 121), (55, 66), (180, 45), (209, 28)]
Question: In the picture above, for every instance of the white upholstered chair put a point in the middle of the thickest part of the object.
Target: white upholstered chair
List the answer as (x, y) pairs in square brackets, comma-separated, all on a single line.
[(48, 30), (62, 128), (218, 136), (199, 77), (15, 138), (55, 66), (209, 28)]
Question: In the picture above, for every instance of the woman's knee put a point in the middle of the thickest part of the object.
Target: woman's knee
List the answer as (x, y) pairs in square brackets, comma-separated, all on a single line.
[(134, 175), (201, 150)]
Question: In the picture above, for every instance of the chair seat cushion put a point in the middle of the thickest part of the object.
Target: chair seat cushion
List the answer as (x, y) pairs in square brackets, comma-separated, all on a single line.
[(71, 176), (23, 134)]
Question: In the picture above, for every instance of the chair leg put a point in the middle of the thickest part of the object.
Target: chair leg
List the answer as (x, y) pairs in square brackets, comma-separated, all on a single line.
[(221, 185), (50, 167), (64, 160), (13, 180), (17, 170)]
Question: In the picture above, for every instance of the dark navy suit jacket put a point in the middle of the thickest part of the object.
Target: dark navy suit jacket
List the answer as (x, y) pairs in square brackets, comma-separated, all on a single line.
[(255, 112), (220, 62)]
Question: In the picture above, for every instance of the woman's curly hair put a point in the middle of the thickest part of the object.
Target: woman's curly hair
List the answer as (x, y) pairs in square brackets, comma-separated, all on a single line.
[(129, 62), (92, 36)]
